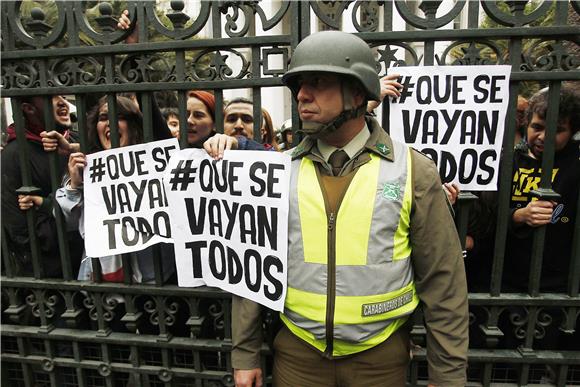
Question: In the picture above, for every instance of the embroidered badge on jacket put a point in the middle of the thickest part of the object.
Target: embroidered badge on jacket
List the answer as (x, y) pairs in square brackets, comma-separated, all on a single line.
[(392, 191)]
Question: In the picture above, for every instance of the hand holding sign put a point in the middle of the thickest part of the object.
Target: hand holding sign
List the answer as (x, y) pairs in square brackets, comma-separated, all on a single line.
[(76, 164), (229, 222)]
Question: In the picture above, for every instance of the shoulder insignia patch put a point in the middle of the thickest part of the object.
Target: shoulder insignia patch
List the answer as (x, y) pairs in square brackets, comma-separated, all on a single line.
[(296, 151)]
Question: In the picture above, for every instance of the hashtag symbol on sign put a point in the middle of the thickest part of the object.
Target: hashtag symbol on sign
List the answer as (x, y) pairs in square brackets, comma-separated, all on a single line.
[(183, 174), (97, 170)]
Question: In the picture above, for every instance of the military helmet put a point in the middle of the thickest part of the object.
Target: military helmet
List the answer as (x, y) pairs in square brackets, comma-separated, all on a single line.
[(334, 52), (286, 126)]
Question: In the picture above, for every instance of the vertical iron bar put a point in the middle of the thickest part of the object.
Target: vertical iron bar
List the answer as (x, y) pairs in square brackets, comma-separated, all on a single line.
[(50, 353), (166, 361), (387, 16), (413, 373), (507, 164), (55, 181), (24, 156), (7, 36), (103, 329), (79, 369), (574, 272), (160, 306), (387, 26), (429, 53), (97, 270), (157, 265), (127, 268), (148, 130), (304, 21), (227, 308), (26, 368), (300, 28), (197, 366), (81, 105), (71, 26), (147, 111), (134, 375), (106, 358), (143, 22), (257, 110), (487, 370), (562, 375), (6, 255), (218, 93), (183, 117), (524, 374), (181, 98), (219, 111), (216, 21), (505, 176), (113, 117), (45, 325), (545, 183), (473, 14)]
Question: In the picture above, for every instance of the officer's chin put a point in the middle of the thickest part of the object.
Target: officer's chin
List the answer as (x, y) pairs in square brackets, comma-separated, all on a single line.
[(312, 129)]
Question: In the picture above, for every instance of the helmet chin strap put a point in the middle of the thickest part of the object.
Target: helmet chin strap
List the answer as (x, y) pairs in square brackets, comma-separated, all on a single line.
[(349, 111)]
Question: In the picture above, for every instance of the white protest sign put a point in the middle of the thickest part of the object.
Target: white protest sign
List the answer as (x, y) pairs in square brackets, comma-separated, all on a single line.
[(230, 222), (125, 201), (456, 116)]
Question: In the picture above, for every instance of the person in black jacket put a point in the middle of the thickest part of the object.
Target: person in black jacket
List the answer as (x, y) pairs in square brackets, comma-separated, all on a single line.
[(14, 204), (527, 213)]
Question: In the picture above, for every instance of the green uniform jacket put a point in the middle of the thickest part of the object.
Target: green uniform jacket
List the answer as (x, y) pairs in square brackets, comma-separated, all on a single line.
[(437, 263)]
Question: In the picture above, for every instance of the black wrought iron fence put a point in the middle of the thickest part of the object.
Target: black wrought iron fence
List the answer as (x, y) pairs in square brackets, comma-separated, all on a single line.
[(62, 332)]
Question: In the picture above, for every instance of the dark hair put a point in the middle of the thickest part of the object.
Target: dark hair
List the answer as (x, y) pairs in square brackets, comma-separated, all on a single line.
[(168, 112), (246, 101), (238, 100), (569, 107), (127, 109)]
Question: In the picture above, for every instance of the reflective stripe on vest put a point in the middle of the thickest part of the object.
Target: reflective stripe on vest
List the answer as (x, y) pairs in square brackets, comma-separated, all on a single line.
[(374, 277)]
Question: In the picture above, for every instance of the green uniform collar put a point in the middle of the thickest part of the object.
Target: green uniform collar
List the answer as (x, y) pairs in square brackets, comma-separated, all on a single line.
[(379, 142)]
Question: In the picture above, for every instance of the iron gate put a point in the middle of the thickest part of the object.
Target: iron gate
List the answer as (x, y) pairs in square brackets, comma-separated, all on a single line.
[(62, 332)]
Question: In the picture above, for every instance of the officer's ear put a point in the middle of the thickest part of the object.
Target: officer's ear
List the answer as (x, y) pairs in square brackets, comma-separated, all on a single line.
[(358, 94)]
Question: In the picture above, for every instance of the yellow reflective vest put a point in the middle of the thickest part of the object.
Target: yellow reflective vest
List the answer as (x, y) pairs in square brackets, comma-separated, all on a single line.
[(350, 278)]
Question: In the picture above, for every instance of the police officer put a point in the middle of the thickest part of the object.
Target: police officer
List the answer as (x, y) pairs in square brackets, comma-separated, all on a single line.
[(370, 238), (284, 135)]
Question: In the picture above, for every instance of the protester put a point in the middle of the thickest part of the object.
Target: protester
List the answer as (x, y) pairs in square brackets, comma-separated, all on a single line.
[(200, 117), (558, 215), (70, 196), (171, 115), (267, 131), (239, 118), (350, 290), (14, 205)]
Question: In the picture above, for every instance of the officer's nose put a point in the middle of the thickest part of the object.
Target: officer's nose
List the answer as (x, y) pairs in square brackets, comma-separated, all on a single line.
[(304, 93)]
